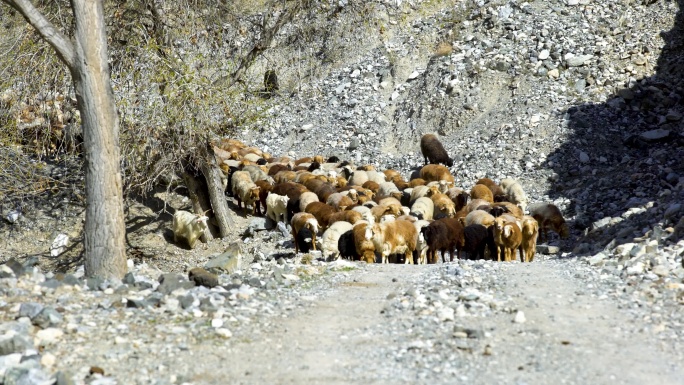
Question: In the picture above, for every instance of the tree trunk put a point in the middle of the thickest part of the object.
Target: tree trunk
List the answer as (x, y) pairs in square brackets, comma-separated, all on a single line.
[(200, 202), (104, 222), (86, 57), (217, 195)]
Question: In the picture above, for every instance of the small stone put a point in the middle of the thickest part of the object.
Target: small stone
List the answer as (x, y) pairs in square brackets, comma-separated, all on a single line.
[(223, 332), (173, 281), (445, 314), (202, 277), (414, 75), (544, 54), (519, 317), (597, 260), (48, 360), (661, 271), (584, 157), (49, 336), (655, 135), (547, 249), (576, 61), (48, 317), (554, 73)]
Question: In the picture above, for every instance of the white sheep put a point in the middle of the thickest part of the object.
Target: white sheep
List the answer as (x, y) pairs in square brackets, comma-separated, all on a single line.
[(423, 208), (306, 198), (276, 206), (188, 226), (421, 246), (515, 193), (330, 238)]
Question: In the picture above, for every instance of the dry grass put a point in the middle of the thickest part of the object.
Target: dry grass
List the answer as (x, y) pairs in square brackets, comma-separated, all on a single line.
[(443, 49)]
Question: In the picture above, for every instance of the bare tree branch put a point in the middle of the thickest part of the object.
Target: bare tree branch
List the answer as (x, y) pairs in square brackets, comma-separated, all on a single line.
[(61, 44), (265, 40)]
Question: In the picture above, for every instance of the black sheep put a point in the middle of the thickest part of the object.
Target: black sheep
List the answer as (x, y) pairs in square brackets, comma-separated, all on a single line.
[(476, 241), (433, 151), (347, 247), (304, 237)]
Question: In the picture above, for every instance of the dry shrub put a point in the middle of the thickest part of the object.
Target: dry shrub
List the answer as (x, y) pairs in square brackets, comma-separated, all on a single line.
[(443, 49)]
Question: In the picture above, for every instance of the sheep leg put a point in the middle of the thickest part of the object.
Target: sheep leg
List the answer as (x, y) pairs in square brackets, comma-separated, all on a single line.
[(523, 258), (294, 235), (313, 240)]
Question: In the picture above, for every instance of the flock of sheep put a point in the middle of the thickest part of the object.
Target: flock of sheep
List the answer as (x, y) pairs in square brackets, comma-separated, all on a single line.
[(361, 213)]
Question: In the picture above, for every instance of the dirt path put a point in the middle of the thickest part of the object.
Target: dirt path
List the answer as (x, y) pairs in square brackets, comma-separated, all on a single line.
[(568, 337), (323, 344)]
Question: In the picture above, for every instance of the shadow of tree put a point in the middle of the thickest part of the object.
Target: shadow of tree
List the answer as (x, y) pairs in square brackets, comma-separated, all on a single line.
[(624, 159)]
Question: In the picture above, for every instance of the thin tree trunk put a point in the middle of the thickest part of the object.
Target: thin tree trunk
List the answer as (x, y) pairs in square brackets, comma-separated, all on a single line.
[(217, 195), (200, 202)]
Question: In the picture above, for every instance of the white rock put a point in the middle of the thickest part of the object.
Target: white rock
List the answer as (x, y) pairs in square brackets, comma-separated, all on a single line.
[(355, 73), (48, 336), (544, 54), (223, 332), (445, 314), (59, 245), (519, 317), (217, 323), (414, 75)]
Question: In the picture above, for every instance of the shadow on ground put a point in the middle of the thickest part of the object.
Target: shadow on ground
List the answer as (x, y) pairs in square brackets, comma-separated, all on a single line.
[(624, 157)]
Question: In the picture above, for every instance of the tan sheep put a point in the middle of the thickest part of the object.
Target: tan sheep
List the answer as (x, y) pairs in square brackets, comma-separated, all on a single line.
[(300, 221), (480, 191), (244, 190), (436, 172), (530, 231), (443, 205), (507, 237), (479, 217)]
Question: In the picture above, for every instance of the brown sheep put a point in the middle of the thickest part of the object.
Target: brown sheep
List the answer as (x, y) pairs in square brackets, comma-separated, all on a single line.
[(400, 183), (350, 216), (264, 189), (530, 231), (339, 201), (284, 176), (443, 235), (300, 161), (508, 237), (322, 212), (304, 220), (415, 182), (549, 217), (366, 167), (480, 191), (363, 241), (433, 151), (381, 210), (443, 206), (371, 185), (276, 168), (435, 173), (396, 237), (496, 190), (391, 174)]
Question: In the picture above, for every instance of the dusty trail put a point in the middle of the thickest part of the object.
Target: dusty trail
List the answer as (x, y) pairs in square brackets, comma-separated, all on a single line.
[(323, 344), (568, 337)]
